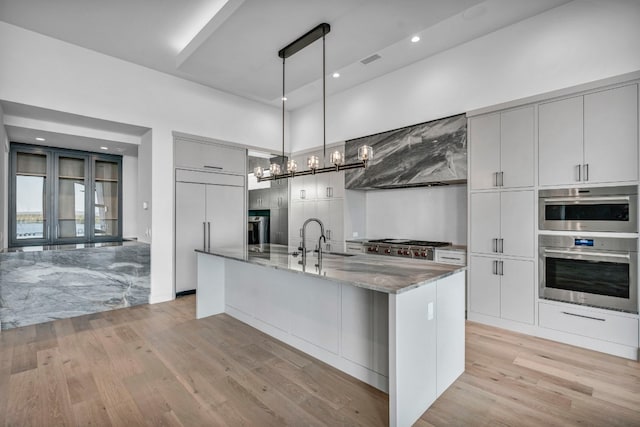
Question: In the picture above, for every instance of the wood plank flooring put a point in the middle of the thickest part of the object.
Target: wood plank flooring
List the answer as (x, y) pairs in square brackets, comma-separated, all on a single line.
[(154, 365)]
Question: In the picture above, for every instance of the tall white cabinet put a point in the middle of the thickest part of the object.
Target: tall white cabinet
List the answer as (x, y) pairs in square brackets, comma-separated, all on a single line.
[(209, 204), (502, 218)]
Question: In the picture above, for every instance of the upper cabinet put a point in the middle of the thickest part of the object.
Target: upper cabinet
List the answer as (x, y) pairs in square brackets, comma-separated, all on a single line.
[(589, 139), (191, 154), (502, 149)]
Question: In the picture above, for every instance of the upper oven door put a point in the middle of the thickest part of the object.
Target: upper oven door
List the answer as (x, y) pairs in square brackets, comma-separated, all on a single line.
[(599, 209)]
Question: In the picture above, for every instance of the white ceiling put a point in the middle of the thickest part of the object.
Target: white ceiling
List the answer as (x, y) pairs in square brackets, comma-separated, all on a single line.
[(232, 45)]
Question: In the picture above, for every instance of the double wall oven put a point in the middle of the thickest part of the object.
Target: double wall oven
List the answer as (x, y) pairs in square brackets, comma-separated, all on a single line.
[(600, 266)]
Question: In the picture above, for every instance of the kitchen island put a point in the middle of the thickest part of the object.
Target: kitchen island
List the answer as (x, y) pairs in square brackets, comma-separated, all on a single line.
[(396, 324)]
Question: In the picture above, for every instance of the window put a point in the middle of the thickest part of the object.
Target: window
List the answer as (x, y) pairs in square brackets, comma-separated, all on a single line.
[(64, 196)]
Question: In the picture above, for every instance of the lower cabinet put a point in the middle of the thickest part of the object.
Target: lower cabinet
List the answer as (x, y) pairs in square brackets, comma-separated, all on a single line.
[(502, 288), (589, 322)]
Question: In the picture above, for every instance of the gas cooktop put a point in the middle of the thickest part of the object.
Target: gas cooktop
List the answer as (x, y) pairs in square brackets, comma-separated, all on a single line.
[(409, 242), (407, 248)]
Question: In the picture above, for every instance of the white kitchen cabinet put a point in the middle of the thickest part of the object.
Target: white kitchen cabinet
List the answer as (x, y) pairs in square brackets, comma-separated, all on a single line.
[(450, 256), (502, 149), (207, 215), (589, 139), (330, 185), (589, 322), (209, 156), (611, 135), (503, 222), (502, 288)]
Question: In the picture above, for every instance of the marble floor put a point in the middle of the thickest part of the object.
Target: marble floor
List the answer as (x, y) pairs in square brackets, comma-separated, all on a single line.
[(40, 286)]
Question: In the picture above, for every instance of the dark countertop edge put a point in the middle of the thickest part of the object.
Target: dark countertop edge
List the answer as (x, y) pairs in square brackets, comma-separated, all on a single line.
[(455, 269)]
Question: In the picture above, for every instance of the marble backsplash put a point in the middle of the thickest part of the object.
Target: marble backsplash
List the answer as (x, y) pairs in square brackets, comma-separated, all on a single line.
[(41, 286)]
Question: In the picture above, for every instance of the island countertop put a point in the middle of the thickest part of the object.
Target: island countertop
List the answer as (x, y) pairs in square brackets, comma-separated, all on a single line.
[(390, 275)]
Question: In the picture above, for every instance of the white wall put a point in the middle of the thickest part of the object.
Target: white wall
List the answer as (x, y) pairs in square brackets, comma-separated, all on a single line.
[(4, 168), (48, 73), (424, 213), (129, 196), (145, 188), (576, 43)]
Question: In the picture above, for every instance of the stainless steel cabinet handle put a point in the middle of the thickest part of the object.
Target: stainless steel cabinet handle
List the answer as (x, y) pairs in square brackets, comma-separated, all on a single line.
[(495, 179), (303, 194), (495, 267), (586, 171), (579, 172), (209, 237), (501, 179), (204, 236), (501, 241), (501, 268), (583, 316), (300, 231), (329, 234), (494, 243)]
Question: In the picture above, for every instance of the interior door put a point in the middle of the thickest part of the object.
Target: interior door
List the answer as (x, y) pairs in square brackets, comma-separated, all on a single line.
[(190, 220), (226, 214)]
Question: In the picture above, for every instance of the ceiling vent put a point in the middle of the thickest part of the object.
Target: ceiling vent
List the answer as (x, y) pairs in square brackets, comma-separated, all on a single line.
[(371, 58)]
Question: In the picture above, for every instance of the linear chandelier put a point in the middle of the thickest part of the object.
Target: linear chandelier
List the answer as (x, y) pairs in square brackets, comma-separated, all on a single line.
[(279, 171)]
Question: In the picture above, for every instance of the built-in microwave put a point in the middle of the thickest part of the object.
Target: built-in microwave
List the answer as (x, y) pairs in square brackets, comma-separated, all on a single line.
[(595, 271), (589, 209)]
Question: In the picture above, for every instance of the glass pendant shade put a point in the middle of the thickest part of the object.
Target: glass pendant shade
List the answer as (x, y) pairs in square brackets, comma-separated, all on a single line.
[(275, 169), (337, 158), (258, 172), (313, 162), (365, 153), (292, 166)]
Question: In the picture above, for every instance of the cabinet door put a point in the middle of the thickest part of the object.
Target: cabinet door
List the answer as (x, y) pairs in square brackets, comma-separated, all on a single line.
[(517, 290), (213, 157), (484, 286), (484, 147), (190, 233), (296, 219), (226, 213), (517, 226), (611, 135), (309, 186), (517, 147), (323, 185), (336, 220), (485, 221), (337, 184), (297, 185), (560, 141)]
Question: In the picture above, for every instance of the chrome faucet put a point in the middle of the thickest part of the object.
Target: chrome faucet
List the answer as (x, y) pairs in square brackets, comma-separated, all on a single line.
[(303, 248)]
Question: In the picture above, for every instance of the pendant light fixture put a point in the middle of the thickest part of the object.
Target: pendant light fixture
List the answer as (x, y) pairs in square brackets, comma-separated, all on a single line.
[(337, 159)]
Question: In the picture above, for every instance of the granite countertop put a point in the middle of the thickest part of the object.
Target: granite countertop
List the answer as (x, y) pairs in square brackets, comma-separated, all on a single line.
[(390, 275)]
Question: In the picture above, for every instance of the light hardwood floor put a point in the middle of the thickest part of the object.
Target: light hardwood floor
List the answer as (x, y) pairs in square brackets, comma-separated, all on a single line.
[(155, 365)]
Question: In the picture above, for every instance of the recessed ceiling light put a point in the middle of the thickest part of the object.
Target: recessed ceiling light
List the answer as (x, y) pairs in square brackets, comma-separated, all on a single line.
[(415, 39), (40, 139), (336, 75), (104, 148)]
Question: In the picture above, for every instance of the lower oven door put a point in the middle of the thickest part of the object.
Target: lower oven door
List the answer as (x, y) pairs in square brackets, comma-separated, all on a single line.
[(600, 279)]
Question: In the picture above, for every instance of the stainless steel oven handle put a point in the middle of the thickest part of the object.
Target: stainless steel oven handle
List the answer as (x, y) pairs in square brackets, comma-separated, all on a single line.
[(597, 254), (586, 199)]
